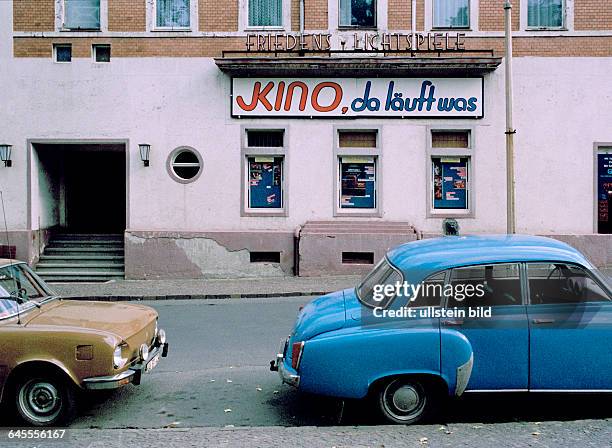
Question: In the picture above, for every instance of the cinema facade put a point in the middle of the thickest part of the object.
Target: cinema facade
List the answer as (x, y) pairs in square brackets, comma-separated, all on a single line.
[(281, 137)]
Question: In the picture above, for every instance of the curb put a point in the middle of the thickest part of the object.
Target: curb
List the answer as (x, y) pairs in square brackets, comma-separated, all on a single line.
[(135, 298)]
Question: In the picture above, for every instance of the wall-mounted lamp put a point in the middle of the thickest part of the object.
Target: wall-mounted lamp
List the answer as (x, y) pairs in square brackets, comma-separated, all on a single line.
[(145, 149), (5, 154)]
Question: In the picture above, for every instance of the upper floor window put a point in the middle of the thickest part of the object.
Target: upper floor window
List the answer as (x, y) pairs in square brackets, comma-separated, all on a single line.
[(545, 14), (266, 13), (358, 13), (172, 14), (451, 13), (82, 14)]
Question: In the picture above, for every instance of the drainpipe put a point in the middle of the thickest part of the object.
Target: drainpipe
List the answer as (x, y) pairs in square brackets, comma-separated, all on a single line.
[(301, 16), (414, 23), (510, 131), (296, 251)]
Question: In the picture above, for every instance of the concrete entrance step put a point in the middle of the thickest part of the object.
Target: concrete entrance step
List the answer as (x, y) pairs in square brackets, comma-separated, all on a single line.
[(83, 250), (77, 258), (88, 236), (43, 267)]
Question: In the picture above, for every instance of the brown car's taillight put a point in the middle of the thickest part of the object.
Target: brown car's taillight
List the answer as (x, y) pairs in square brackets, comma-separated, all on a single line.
[(296, 354)]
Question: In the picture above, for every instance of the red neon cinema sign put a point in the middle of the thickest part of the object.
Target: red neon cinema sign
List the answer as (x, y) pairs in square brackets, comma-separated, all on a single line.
[(282, 96)]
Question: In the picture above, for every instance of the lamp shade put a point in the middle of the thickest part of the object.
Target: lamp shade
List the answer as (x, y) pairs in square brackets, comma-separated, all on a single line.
[(5, 154), (145, 150)]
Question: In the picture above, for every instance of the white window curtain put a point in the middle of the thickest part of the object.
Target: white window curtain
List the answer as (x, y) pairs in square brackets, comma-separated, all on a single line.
[(545, 13), (265, 12), (172, 13), (346, 13), (451, 13), (82, 14)]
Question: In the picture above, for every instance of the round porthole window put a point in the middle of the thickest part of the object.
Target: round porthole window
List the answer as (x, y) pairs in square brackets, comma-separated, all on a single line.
[(185, 164)]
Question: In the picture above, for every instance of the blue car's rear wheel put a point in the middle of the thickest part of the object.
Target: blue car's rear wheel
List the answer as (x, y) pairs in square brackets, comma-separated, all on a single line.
[(404, 400)]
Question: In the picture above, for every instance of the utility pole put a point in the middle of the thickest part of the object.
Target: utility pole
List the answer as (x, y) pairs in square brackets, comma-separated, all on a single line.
[(510, 131)]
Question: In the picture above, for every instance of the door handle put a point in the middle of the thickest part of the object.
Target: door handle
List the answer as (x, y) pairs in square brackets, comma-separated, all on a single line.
[(452, 323), (543, 321)]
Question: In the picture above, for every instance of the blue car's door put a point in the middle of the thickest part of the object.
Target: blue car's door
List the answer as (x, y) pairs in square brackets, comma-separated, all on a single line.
[(570, 320), (500, 342)]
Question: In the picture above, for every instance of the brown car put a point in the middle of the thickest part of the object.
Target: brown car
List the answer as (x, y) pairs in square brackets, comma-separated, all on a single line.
[(51, 348)]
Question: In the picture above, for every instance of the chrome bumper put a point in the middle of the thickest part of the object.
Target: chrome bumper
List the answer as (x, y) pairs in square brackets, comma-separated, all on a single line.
[(278, 365), (132, 375)]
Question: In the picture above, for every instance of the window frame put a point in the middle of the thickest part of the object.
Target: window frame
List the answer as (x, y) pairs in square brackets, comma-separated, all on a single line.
[(469, 153), (566, 19), (339, 152), (243, 18), (152, 19), (247, 151), (358, 27), (461, 28), (170, 164), (94, 50), (588, 272), (55, 47), (60, 18)]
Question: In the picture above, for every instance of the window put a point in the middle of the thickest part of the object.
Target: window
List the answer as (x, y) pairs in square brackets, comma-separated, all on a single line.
[(172, 14), (62, 52), (488, 285), (357, 182), (545, 13), (358, 13), (185, 164), (382, 274), (266, 13), (450, 182), (101, 53), (265, 182), (431, 292), (451, 13), (82, 14), (559, 283), (264, 172)]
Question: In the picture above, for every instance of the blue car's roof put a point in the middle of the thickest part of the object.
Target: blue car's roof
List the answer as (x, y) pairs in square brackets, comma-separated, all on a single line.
[(442, 253)]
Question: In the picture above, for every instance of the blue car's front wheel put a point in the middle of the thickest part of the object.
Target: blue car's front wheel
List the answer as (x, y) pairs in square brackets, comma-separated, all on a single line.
[(404, 400)]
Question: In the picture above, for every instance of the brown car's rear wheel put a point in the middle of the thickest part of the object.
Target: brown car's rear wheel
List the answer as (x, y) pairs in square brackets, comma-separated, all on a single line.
[(44, 400)]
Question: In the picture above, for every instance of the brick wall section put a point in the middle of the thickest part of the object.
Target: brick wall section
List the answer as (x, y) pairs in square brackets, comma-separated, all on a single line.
[(218, 16), (600, 46), (131, 47), (399, 17), (295, 15), (33, 15), (420, 15), (315, 17), (127, 15), (592, 15), (491, 15)]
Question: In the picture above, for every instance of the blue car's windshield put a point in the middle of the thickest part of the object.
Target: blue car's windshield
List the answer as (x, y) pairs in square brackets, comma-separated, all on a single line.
[(382, 274)]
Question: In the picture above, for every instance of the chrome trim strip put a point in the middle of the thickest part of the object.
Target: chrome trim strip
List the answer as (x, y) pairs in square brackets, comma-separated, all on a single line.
[(109, 382), (496, 390), (464, 372), (576, 391)]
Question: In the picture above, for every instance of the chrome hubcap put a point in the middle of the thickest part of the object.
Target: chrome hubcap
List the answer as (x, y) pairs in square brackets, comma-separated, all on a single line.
[(403, 400), (406, 399), (40, 401)]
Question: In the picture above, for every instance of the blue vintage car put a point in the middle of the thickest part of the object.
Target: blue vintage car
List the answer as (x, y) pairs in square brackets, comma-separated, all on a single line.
[(541, 321)]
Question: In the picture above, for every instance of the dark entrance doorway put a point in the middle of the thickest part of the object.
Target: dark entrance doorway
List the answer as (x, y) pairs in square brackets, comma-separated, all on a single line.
[(604, 191), (80, 188), (95, 191)]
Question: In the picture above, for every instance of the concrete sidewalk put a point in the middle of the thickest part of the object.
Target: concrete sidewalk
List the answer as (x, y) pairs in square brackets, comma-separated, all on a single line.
[(205, 289)]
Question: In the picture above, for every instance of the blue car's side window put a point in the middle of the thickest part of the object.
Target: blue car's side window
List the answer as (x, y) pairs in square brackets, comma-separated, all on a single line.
[(559, 283), (495, 285)]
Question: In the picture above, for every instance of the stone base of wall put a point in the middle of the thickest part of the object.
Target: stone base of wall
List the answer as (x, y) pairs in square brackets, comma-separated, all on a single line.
[(217, 254), (322, 244), (28, 244)]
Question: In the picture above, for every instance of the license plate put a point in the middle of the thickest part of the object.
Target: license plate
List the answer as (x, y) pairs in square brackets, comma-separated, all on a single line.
[(152, 363)]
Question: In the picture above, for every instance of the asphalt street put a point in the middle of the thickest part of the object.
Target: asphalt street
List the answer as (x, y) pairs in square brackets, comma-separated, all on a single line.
[(217, 376)]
